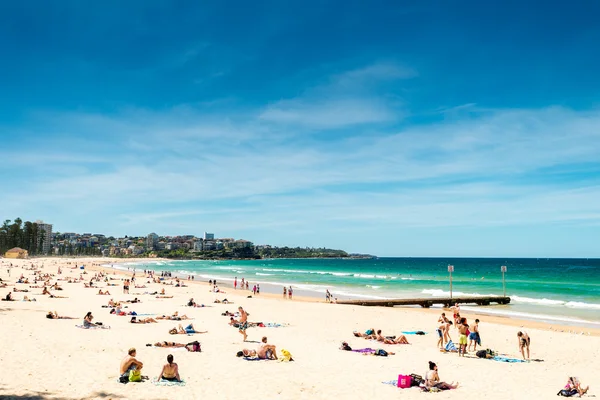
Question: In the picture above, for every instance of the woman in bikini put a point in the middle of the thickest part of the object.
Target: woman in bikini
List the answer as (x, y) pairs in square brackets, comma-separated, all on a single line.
[(170, 371), (524, 342), (54, 315), (168, 344)]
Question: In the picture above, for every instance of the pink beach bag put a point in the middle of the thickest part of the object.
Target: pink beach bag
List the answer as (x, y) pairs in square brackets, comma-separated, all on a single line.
[(404, 381)]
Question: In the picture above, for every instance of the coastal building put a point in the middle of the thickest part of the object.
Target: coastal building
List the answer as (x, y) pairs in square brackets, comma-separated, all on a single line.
[(241, 243), (16, 252), (44, 235), (209, 236), (151, 241)]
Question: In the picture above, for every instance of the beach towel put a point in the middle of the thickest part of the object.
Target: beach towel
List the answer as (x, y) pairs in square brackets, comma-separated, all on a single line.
[(93, 327), (450, 346), (508, 360), (272, 325), (256, 359), (365, 350), (394, 382), (414, 333), (162, 382)]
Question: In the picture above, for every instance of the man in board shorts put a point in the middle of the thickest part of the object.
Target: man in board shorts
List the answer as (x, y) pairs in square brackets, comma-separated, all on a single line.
[(243, 322)]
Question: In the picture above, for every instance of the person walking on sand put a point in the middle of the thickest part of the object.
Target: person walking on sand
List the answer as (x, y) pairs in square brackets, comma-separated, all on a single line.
[(243, 322), (254, 290), (474, 338), (524, 342)]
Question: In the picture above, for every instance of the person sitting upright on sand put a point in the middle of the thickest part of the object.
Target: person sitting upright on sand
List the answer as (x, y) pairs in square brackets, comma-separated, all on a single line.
[(266, 351), (170, 371), (130, 363)]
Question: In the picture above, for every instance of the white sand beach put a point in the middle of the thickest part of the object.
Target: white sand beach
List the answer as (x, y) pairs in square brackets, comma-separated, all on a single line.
[(53, 359)]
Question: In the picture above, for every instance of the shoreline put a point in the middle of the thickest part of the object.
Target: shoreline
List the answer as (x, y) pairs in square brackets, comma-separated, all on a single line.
[(471, 315)]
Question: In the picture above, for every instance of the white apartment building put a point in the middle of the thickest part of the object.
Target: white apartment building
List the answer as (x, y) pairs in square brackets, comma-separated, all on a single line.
[(45, 232)]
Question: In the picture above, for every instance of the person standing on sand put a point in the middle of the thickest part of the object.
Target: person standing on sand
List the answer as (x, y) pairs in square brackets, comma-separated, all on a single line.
[(284, 292), (254, 290), (462, 340), (290, 292), (243, 322), (524, 342), (235, 283), (474, 338), (258, 288)]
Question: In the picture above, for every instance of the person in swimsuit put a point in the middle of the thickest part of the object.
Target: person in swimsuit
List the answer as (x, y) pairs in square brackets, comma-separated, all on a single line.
[(243, 322), (170, 371), (130, 363), (400, 340), (54, 315), (462, 340), (168, 344), (148, 320), (474, 338), (524, 342), (432, 379)]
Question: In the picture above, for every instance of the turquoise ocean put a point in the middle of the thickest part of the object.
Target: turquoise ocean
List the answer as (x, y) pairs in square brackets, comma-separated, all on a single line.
[(561, 291)]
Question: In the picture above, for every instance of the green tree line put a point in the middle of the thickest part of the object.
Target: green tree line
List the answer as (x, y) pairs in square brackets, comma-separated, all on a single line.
[(26, 235)]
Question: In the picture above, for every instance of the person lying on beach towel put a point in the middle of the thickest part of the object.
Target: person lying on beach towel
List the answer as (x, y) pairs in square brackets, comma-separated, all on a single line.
[(388, 340), (167, 344), (148, 320), (164, 297), (25, 298), (192, 303), (100, 292), (174, 317), (187, 331), (368, 350), (369, 334), (54, 315)]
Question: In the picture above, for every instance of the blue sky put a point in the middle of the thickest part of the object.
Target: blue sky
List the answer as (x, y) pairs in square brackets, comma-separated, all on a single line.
[(423, 128)]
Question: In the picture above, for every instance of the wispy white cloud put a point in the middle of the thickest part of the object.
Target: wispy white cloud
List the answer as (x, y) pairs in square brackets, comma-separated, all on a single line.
[(345, 99), (239, 171)]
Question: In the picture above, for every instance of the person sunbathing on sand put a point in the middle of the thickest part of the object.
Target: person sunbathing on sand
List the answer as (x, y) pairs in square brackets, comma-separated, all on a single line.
[(103, 293), (168, 344), (388, 340), (369, 334), (8, 297), (54, 315), (148, 320), (187, 331), (130, 363)]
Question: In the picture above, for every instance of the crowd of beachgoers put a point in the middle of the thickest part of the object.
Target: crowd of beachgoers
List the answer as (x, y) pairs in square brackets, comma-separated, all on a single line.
[(127, 292)]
